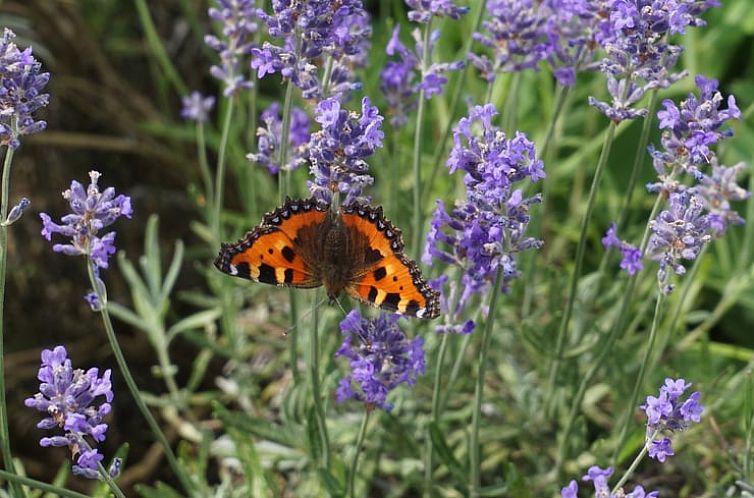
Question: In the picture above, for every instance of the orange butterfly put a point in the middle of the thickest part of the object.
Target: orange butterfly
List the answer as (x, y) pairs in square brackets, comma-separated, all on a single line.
[(304, 244)]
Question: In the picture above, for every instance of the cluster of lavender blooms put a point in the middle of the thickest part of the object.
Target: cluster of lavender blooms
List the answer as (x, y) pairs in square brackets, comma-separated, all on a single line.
[(337, 151), (21, 86), (401, 80), (668, 413), (424, 10), (380, 357), (599, 478), (695, 213), (237, 18), (196, 107), (638, 56), (311, 30), (268, 142), (71, 399), (91, 211), (484, 232)]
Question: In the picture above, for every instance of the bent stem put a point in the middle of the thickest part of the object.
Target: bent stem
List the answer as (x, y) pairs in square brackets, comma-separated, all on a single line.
[(17, 480), (201, 151), (573, 287), (316, 388), (357, 453), (428, 448), (642, 372), (634, 464), (4, 431), (132, 387), (474, 450)]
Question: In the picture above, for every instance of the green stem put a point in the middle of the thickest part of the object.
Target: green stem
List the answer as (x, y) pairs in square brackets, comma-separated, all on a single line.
[(4, 431), (634, 464), (158, 49), (293, 336), (326, 76), (509, 117), (458, 92), (641, 151), (33, 483), (357, 452), (573, 287), (474, 448), (606, 347), (252, 144), (201, 152), (284, 182), (220, 173), (132, 387), (642, 372), (417, 208), (428, 448), (316, 388)]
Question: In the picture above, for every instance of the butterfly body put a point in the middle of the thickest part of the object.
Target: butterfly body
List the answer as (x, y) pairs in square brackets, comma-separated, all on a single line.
[(304, 244)]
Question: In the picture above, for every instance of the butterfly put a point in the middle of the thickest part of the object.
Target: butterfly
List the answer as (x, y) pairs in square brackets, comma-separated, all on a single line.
[(305, 244)]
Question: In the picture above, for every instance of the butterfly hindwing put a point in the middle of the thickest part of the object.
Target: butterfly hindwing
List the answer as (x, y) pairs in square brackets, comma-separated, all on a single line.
[(389, 279), (270, 253)]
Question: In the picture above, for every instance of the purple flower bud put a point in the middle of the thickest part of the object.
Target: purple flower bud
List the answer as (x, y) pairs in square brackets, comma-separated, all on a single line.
[(197, 107), (17, 210)]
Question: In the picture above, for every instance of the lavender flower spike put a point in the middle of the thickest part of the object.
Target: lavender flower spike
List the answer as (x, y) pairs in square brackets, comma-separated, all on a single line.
[(599, 479), (91, 211), (237, 18), (196, 107), (424, 10), (21, 86), (380, 357), (338, 150), (72, 401), (668, 413), (269, 139)]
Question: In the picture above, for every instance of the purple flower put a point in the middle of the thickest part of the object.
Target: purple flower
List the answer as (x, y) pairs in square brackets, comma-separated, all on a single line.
[(718, 191), (17, 211), (21, 86), (690, 130), (639, 58), (380, 357), (309, 31), (668, 413), (424, 10), (678, 233), (599, 478), (337, 151), (397, 79), (520, 34), (91, 211), (631, 255), (484, 232), (269, 139), (72, 401), (197, 107), (237, 18)]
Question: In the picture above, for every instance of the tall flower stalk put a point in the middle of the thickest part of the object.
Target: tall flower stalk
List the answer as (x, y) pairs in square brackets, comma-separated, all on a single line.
[(92, 210), (21, 85)]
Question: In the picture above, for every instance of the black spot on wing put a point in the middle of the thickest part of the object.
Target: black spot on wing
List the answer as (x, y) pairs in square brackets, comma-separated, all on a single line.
[(379, 273), (288, 275), (391, 300), (267, 274), (412, 307), (288, 254), (243, 270), (372, 294), (372, 256)]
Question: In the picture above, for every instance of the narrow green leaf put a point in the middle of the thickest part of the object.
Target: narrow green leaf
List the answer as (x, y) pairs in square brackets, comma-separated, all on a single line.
[(286, 435), (446, 455), (335, 488), (150, 261), (173, 271), (126, 315), (195, 321), (160, 490)]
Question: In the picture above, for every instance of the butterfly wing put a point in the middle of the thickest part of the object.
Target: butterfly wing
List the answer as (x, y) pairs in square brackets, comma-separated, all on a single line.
[(387, 278), (271, 253)]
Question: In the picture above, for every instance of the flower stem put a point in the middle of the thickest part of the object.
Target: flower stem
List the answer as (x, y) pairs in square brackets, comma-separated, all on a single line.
[(357, 453), (573, 287), (417, 208), (642, 372), (428, 448), (316, 388), (220, 173), (4, 431), (634, 464), (132, 387), (456, 99), (158, 49), (33, 483), (201, 151), (285, 182), (474, 449)]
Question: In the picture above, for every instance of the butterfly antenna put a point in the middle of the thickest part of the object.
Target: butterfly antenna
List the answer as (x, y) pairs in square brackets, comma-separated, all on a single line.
[(345, 313), (304, 316)]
